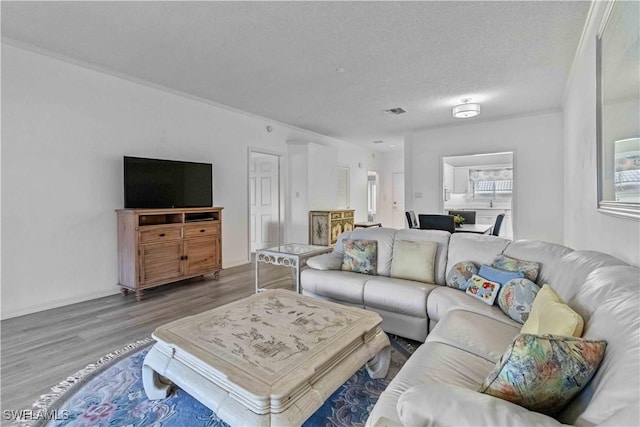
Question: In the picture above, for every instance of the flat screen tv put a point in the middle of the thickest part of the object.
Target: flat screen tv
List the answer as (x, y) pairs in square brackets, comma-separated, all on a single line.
[(156, 183)]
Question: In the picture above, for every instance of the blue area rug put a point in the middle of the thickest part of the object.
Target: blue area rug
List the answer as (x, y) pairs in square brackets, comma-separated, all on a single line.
[(111, 393)]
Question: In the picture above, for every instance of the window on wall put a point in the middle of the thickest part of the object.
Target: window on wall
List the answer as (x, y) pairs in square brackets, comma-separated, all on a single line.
[(343, 187), (492, 183)]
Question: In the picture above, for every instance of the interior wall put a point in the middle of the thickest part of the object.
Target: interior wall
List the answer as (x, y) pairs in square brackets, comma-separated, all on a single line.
[(585, 226), (389, 163), (65, 128), (537, 143)]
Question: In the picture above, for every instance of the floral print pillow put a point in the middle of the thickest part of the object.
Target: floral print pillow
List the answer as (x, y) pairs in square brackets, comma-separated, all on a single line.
[(516, 298), (483, 289), (544, 373), (529, 268), (360, 256), (460, 274)]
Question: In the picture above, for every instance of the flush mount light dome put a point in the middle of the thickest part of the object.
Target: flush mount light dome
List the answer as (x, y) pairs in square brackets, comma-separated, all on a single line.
[(466, 110)]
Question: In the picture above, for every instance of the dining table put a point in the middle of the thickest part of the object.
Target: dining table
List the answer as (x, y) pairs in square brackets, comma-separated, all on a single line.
[(474, 228)]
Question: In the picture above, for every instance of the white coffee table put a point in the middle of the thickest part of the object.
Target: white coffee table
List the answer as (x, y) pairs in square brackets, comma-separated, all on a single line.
[(270, 359)]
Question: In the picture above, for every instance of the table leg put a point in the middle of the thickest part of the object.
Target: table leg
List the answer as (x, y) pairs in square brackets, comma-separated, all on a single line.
[(379, 365), (154, 387), (257, 264), (298, 276)]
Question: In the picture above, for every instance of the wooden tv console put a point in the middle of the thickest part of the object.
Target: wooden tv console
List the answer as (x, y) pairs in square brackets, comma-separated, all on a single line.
[(159, 246)]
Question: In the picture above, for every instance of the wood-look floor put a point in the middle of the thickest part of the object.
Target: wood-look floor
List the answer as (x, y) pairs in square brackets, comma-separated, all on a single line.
[(39, 350)]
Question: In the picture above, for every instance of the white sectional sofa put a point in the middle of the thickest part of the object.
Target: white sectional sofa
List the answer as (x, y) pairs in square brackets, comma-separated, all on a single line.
[(464, 337)]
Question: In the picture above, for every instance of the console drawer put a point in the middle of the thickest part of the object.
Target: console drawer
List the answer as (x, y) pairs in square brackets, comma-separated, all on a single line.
[(160, 234), (195, 230)]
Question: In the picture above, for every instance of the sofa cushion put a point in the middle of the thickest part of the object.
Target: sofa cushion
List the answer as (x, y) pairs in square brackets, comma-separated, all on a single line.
[(385, 238), (543, 373), (549, 315), (435, 404), (482, 289), (548, 255), (475, 333), (608, 302), (341, 237), (414, 260), (568, 274), (529, 269), (478, 248), (443, 299), (360, 256), (516, 298), (335, 284), (441, 238), (459, 275), (432, 362), (399, 295)]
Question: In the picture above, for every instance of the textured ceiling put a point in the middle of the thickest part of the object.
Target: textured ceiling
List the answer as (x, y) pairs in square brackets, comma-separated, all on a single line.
[(279, 59)]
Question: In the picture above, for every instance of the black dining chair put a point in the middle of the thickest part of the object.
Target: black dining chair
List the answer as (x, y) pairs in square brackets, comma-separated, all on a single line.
[(437, 222), (497, 225), (411, 219), (469, 216)]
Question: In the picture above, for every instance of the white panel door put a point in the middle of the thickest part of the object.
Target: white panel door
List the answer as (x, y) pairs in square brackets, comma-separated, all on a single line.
[(398, 200), (264, 221)]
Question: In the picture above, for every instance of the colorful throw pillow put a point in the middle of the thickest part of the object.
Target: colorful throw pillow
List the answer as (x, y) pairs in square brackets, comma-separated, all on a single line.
[(360, 256), (414, 260), (544, 373), (529, 268), (549, 315), (460, 274), (516, 298), (497, 275), (483, 289)]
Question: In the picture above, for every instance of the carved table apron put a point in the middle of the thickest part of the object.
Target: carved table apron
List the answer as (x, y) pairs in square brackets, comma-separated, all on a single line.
[(270, 359)]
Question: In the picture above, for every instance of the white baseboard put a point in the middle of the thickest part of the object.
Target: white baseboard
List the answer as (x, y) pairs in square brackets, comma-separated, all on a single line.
[(8, 313)]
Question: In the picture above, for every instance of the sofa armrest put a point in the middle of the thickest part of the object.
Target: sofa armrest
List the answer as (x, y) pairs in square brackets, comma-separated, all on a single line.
[(439, 404), (330, 261)]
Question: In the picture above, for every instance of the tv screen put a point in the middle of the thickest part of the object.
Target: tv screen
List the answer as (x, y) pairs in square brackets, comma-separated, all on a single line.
[(156, 183)]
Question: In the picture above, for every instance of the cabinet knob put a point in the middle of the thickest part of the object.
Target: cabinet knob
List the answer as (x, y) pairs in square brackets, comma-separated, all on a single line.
[(202, 231), (162, 234)]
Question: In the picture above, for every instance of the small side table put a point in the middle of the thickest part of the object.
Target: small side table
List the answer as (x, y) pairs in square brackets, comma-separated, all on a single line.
[(367, 224), (291, 255)]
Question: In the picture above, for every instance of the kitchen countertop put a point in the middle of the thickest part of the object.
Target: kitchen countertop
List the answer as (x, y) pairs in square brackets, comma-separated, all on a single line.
[(475, 208)]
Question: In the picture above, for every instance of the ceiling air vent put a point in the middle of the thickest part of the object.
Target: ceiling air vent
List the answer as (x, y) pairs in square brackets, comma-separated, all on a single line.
[(395, 111)]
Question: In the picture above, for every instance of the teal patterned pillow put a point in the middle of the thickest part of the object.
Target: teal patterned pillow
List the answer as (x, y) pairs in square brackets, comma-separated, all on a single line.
[(544, 373), (529, 268), (460, 274), (360, 256), (516, 298)]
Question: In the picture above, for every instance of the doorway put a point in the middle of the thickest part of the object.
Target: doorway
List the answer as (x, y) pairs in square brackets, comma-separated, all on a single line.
[(482, 183), (372, 195), (398, 200), (266, 222)]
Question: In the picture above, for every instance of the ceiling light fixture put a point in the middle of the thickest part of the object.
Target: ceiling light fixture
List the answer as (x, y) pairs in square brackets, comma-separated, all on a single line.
[(466, 110)]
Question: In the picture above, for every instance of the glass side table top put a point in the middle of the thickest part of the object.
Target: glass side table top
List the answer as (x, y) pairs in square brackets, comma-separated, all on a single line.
[(295, 249)]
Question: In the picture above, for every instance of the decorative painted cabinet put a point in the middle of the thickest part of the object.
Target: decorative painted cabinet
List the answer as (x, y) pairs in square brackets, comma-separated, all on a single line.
[(326, 226)]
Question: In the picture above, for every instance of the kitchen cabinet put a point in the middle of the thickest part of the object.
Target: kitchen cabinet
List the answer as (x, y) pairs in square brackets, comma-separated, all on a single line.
[(460, 180)]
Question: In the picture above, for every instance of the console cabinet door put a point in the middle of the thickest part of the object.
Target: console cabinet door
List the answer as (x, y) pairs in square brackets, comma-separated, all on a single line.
[(161, 261), (201, 255)]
